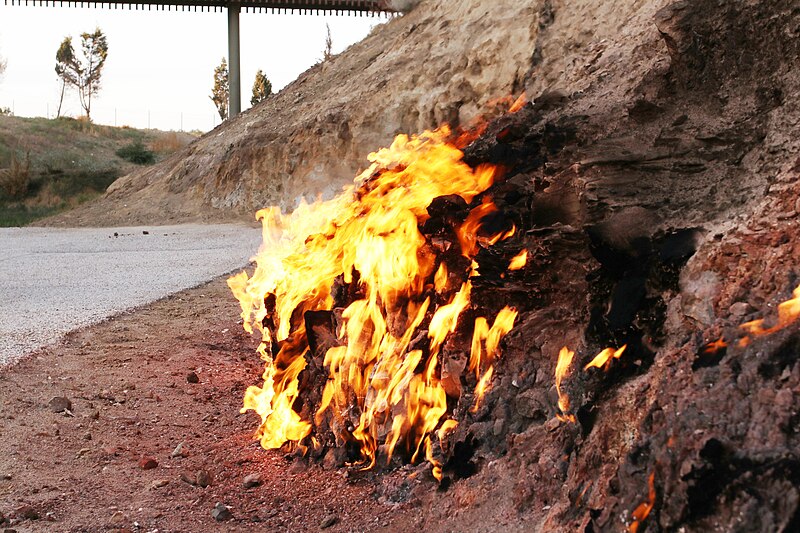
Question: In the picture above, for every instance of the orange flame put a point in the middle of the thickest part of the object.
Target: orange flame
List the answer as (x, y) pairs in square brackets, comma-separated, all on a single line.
[(562, 366), (519, 103), (643, 509), (485, 345), (713, 347), (519, 261), (603, 359), (378, 386), (788, 312)]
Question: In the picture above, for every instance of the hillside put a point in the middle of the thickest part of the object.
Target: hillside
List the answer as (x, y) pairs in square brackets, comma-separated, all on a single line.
[(47, 166)]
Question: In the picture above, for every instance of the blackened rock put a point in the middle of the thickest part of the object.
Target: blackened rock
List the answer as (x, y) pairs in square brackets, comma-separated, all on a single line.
[(328, 521), (192, 377)]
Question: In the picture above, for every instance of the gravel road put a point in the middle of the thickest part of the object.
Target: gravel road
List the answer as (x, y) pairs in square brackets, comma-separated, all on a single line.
[(55, 280)]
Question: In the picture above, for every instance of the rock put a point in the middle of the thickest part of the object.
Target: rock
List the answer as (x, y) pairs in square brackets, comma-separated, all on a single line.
[(191, 377), (26, 512), (188, 479), (178, 451), (328, 521), (117, 518), (59, 404), (5, 477), (94, 414), (252, 480), (221, 512), (147, 463), (158, 483), (531, 404), (203, 478), (739, 309)]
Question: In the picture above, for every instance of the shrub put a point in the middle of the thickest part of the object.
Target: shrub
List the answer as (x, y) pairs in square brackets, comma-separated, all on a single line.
[(16, 180), (136, 152)]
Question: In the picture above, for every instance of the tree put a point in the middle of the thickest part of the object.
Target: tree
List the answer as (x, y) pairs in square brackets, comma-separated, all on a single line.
[(262, 88), (84, 74), (66, 69), (221, 89), (95, 51), (328, 53)]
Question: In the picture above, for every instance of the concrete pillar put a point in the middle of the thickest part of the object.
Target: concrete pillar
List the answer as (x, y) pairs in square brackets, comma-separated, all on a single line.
[(234, 70)]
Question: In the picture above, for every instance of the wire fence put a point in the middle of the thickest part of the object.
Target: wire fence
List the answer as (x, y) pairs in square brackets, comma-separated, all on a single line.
[(140, 118)]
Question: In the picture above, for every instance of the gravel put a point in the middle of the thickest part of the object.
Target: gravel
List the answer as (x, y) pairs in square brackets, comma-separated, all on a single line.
[(53, 281)]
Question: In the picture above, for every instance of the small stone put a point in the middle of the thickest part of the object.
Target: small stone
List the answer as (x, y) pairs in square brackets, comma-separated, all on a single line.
[(147, 463), (221, 512), (158, 483), (328, 521), (191, 377), (94, 414), (26, 512), (178, 451), (117, 518), (740, 309), (253, 480), (5, 477), (203, 478), (145, 232), (552, 424), (59, 404), (188, 479)]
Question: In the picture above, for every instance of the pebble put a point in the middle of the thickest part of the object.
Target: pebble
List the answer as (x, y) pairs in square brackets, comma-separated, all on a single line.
[(221, 512), (26, 512), (147, 463), (191, 377), (60, 404), (117, 518), (740, 309), (203, 478), (158, 483), (328, 521), (178, 451), (253, 480)]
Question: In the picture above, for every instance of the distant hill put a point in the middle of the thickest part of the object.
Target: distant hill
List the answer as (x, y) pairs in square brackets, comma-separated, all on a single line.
[(50, 165)]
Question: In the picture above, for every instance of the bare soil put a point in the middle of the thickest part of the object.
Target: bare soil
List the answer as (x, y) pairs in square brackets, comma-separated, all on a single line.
[(126, 380)]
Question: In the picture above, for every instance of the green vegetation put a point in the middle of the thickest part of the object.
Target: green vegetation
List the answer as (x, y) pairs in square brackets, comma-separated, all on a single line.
[(137, 153), (221, 89), (48, 166), (262, 88), (82, 74)]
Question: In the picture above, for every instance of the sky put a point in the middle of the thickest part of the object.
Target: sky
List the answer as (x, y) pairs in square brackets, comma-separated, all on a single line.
[(160, 65)]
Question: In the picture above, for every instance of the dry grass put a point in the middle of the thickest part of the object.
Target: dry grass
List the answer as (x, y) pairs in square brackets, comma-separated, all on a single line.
[(168, 143)]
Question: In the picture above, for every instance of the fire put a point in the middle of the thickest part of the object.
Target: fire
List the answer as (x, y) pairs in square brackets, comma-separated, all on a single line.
[(562, 366), (603, 359), (383, 390), (519, 261), (643, 509), (788, 312)]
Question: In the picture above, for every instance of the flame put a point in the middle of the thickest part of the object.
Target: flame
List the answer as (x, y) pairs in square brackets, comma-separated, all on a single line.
[(643, 509), (380, 389), (562, 366), (603, 359), (713, 347), (519, 103), (788, 312), (485, 345), (519, 261)]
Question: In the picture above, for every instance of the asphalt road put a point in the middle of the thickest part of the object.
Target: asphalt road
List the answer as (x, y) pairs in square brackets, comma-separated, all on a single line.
[(53, 281)]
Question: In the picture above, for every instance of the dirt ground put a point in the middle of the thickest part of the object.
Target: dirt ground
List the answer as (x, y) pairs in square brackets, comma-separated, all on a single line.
[(132, 403)]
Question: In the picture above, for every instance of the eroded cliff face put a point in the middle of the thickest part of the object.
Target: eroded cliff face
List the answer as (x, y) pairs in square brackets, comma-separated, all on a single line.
[(441, 62)]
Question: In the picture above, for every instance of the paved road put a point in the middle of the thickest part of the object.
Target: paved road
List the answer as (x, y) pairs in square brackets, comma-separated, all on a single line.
[(55, 280)]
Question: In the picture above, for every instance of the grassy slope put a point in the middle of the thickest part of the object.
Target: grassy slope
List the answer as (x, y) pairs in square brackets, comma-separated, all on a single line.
[(71, 161)]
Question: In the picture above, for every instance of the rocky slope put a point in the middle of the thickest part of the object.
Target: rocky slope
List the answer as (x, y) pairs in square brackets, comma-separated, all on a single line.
[(442, 62)]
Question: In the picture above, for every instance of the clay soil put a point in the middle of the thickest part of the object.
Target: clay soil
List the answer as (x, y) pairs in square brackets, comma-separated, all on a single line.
[(127, 380)]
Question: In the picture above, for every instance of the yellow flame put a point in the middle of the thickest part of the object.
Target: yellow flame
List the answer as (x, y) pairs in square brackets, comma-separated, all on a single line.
[(519, 261), (603, 359), (562, 366), (378, 386), (643, 509)]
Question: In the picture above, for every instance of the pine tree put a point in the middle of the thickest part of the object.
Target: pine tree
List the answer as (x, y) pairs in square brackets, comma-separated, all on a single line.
[(221, 89), (262, 88)]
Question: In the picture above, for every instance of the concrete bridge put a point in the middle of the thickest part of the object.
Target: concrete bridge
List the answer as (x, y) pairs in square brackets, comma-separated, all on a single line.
[(234, 7)]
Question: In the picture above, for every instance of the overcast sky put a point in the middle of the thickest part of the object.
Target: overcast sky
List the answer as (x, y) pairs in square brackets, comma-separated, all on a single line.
[(160, 64)]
